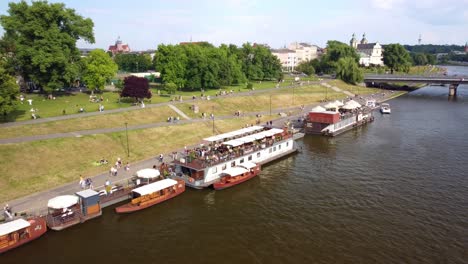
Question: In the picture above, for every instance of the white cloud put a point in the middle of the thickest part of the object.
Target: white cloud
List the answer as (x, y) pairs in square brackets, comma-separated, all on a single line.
[(386, 4)]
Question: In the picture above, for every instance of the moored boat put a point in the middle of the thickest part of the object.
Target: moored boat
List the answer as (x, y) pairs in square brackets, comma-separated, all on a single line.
[(237, 175), (68, 210), (151, 194), (203, 166), (20, 231)]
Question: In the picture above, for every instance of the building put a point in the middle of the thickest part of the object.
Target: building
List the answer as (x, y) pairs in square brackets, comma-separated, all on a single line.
[(287, 58), (296, 53), (304, 51), (85, 52), (371, 54), (119, 47)]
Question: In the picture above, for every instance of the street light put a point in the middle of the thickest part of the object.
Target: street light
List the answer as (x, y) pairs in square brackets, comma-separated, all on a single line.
[(270, 104), (126, 133), (212, 117)]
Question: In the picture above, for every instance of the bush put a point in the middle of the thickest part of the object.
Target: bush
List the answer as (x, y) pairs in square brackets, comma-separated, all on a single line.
[(250, 86)]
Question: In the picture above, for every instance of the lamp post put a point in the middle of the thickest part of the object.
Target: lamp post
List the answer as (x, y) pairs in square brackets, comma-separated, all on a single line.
[(293, 96), (212, 117), (126, 133), (270, 104)]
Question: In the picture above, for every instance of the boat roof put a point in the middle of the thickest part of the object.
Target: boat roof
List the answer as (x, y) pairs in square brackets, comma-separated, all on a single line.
[(234, 171), (62, 201), (87, 193), (148, 173), (154, 187), (233, 133), (250, 138), (248, 165), (13, 226)]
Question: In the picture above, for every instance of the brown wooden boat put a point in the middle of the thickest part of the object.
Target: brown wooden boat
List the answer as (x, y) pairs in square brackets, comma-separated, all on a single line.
[(20, 231), (237, 175), (151, 194)]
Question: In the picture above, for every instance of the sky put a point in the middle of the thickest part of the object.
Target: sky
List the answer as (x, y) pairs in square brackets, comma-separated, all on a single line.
[(144, 24)]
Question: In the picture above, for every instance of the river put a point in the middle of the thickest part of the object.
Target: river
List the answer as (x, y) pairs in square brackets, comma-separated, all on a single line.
[(394, 191)]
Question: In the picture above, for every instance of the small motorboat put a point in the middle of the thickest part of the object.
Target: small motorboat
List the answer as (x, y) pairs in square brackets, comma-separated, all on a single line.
[(385, 108)]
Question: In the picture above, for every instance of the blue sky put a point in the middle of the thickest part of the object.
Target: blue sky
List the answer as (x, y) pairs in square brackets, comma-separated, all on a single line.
[(144, 24)]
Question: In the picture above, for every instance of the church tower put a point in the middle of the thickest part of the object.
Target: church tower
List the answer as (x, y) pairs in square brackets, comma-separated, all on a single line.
[(353, 42), (364, 40)]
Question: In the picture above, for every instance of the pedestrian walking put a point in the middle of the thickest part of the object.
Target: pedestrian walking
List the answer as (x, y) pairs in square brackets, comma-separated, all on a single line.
[(82, 182), (161, 157), (127, 167)]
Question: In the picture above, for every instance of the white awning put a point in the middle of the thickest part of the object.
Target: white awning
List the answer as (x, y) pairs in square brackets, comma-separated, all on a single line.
[(318, 108), (154, 187), (13, 226), (62, 201), (235, 171), (248, 165), (233, 133), (338, 103), (148, 173), (330, 105), (234, 143), (273, 131)]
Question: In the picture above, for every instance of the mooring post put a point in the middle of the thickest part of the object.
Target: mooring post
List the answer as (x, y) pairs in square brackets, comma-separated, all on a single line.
[(453, 89)]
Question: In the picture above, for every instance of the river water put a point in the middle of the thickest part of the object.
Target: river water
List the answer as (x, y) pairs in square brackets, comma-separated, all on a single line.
[(395, 191)]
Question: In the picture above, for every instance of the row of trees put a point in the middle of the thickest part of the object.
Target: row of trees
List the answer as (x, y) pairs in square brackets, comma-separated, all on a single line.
[(198, 66), (134, 62), (343, 60)]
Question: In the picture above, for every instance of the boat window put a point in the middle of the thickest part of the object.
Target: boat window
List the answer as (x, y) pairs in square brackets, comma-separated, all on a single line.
[(258, 154), (250, 157), (224, 167), (274, 148), (287, 144), (233, 164), (279, 146), (270, 150), (242, 160), (215, 170)]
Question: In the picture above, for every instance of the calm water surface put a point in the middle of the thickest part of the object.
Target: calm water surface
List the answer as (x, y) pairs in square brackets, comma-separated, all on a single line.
[(395, 191)]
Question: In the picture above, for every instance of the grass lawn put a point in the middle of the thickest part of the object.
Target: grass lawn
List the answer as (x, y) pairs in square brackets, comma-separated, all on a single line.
[(134, 117), (260, 102), (355, 89), (30, 167)]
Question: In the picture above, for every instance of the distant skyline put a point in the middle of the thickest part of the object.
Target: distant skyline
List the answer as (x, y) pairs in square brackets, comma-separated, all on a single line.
[(144, 24)]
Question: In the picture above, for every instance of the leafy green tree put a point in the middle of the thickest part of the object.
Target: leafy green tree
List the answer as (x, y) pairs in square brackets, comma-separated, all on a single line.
[(9, 90), (348, 70), (133, 62), (99, 69), (419, 58), (306, 67), (44, 39), (396, 57), (335, 51), (170, 88)]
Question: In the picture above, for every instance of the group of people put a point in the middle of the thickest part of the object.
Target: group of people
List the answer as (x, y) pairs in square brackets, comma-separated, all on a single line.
[(86, 183), (173, 119)]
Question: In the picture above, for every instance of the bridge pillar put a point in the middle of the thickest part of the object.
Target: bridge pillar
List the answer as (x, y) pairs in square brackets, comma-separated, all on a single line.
[(453, 89)]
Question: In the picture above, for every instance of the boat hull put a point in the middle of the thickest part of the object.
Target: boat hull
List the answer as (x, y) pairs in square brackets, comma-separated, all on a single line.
[(130, 208), (37, 229), (222, 186)]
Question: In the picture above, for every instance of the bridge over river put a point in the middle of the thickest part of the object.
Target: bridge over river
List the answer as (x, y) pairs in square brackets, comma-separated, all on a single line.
[(452, 81)]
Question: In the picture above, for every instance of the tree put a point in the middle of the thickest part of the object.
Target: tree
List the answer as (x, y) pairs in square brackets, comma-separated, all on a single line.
[(136, 87), (44, 39), (99, 69), (348, 70), (396, 57), (306, 67), (8, 92), (133, 62), (171, 88), (335, 51)]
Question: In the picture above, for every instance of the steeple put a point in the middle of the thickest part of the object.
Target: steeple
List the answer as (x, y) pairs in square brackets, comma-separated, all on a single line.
[(353, 42), (364, 40)]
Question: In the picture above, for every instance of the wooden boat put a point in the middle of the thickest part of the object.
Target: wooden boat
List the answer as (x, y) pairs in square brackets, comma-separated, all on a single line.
[(20, 231), (69, 210), (151, 194), (236, 175)]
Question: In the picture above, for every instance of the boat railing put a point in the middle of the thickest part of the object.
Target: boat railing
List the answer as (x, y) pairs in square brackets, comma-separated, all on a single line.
[(63, 218)]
